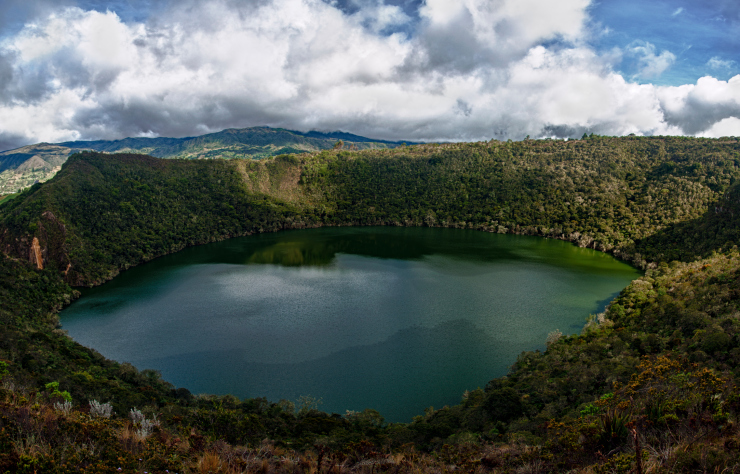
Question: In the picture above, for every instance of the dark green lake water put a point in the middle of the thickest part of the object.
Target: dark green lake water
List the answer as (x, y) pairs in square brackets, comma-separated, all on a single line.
[(395, 319)]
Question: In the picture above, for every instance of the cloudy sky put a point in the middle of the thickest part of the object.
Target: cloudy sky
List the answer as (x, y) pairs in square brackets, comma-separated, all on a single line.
[(391, 69)]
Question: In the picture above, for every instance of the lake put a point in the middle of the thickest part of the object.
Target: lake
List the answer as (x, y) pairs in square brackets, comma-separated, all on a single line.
[(394, 319)]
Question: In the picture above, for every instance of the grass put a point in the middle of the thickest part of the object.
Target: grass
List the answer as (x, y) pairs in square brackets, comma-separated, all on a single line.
[(8, 197)]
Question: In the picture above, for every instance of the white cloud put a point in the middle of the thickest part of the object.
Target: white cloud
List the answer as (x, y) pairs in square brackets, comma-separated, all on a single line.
[(697, 108), (650, 65), (466, 34), (472, 70), (51, 120), (729, 127), (678, 11), (442, 11), (572, 90), (380, 17), (719, 63), (98, 38)]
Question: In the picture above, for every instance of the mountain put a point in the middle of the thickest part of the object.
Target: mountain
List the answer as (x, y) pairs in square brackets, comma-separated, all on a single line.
[(31, 164), (22, 167), (651, 385)]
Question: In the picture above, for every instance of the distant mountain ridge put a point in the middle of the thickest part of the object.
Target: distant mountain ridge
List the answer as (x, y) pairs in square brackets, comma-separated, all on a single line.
[(27, 165)]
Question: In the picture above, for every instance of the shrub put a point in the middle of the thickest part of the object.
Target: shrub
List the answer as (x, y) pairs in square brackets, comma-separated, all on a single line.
[(147, 427), (63, 407), (136, 416), (100, 410), (143, 426)]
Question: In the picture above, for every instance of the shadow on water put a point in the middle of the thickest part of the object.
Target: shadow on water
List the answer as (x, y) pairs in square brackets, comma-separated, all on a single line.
[(600, 308), (601, 305), (398, 376)]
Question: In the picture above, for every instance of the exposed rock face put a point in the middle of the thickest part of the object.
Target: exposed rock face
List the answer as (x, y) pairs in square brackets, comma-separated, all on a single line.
[(52, 236), (45, 249), (36, 256)]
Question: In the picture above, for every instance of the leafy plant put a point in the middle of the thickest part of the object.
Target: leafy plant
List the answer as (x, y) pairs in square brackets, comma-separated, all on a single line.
[(53, 389)]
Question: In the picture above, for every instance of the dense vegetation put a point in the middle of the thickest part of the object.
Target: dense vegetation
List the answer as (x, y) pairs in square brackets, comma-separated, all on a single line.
[(22, 167), (649, 385)]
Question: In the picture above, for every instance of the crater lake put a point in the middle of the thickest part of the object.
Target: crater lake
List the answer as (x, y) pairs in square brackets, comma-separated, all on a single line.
[(389, 318)]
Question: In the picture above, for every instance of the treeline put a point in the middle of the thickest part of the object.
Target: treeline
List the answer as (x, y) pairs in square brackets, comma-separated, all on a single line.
[(657, 373), (623, 195), (606, 193)]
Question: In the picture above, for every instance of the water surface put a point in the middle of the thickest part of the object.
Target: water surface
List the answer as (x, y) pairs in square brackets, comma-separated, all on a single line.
[(395, 319)]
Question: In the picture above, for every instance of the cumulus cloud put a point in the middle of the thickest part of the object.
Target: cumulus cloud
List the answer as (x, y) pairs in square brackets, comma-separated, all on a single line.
[(696, 109), (465, 35), (464, 70)]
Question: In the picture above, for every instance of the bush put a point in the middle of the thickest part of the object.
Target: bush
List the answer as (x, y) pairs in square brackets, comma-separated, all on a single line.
[(100, 410)]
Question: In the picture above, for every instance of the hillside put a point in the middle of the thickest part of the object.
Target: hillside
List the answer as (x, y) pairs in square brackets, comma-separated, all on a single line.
[(650, 385), (22, 167)]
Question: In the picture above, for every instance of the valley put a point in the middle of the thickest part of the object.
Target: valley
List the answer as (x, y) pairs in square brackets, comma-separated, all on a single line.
[(661, 362)]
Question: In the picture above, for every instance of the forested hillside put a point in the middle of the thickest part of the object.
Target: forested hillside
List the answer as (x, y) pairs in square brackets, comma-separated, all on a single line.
[(22, 167), (650, 385)]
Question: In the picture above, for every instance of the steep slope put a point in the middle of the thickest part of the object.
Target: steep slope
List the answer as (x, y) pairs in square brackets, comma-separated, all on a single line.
[(718, 229), (104, 213)]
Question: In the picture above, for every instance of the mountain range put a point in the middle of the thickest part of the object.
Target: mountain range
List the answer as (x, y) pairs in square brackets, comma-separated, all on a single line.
[(22, 167)]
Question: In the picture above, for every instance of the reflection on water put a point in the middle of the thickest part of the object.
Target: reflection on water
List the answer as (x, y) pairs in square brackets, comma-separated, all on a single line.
[(395, 319), (320, 249), (295, 254)]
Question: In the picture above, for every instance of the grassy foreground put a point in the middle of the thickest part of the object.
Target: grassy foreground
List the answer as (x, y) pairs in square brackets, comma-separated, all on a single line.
[(649, 386)]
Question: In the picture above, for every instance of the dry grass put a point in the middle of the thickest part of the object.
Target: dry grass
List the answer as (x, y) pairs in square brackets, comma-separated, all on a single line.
[(210, 463)]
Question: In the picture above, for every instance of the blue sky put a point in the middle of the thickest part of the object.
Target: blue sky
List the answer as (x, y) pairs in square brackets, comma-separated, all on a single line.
[(694, 31), (391, 69)]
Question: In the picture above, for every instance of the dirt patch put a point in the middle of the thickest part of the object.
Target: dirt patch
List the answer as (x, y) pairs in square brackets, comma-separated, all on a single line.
[(36, 256)]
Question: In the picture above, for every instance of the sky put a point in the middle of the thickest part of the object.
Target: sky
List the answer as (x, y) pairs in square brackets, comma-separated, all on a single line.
[(420, 70)]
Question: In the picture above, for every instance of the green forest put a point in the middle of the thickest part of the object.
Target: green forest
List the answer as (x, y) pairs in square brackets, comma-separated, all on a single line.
[(648, 386)]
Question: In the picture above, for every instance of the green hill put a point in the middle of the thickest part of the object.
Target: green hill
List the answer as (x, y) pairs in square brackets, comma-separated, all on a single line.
[(22, 167), (649, 385)]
